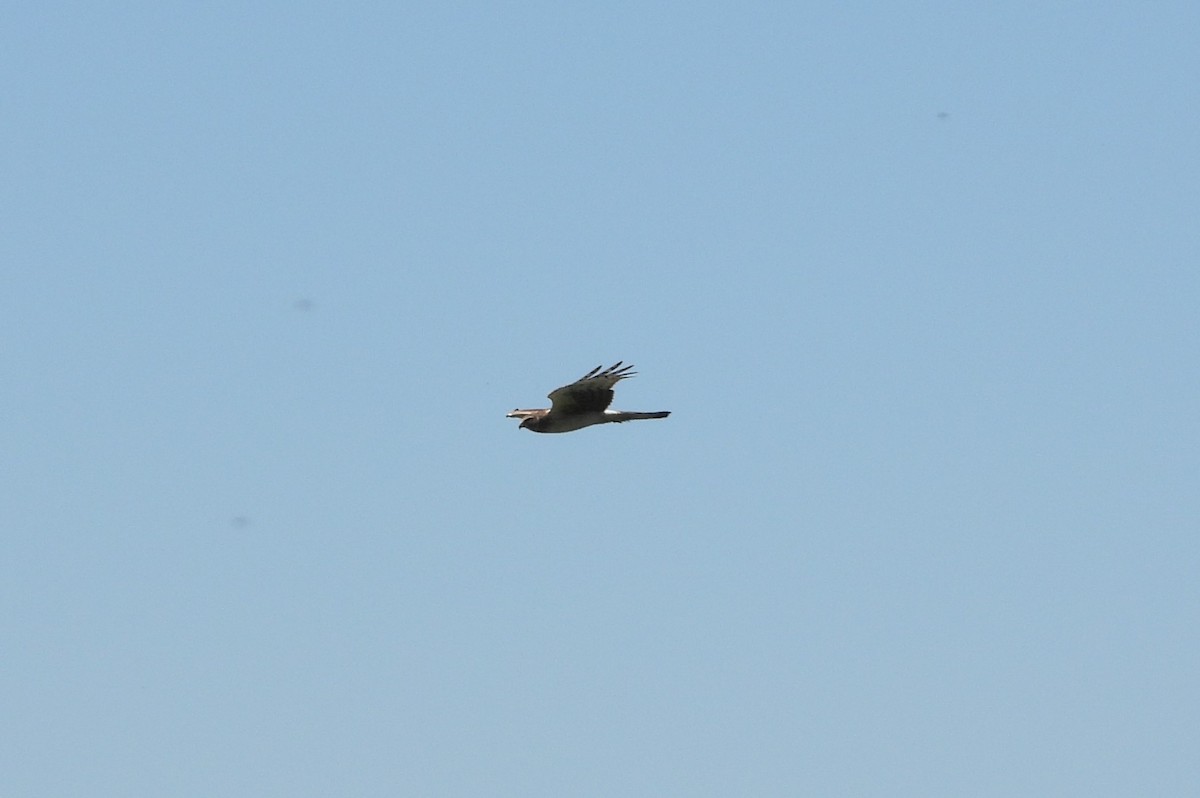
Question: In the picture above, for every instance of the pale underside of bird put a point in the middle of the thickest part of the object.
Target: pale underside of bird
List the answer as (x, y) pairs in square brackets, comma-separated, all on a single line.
[(583, 403)]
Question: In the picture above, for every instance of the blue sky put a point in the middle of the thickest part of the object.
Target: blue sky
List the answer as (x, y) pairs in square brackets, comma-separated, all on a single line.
[(918, 283)]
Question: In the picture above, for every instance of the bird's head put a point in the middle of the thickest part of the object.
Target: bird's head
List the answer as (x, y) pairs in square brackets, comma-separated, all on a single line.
[(528, 418)]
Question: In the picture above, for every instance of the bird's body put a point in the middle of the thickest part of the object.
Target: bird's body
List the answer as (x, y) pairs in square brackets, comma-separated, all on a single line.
[(583, 403)]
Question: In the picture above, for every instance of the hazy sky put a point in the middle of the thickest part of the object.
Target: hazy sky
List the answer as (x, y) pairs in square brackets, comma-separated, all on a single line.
[(919, 282)]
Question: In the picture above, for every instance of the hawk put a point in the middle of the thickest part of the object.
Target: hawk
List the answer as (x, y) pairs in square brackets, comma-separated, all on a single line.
[(583, 403)]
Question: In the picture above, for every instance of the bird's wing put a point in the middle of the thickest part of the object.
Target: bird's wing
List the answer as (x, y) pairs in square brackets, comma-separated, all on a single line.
[(593, 392)]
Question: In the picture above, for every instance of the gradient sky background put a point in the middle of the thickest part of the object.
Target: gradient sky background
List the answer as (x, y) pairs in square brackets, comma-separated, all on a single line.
[(919, 283)]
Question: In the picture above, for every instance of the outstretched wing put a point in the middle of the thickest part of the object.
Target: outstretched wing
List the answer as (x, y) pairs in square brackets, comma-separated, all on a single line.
[(593, 392)]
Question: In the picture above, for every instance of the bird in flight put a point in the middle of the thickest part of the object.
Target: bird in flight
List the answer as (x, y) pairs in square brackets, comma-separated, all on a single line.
[(583, 403)]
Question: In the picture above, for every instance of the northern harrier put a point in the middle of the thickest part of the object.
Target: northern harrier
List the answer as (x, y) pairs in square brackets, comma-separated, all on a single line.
[(582, 403)]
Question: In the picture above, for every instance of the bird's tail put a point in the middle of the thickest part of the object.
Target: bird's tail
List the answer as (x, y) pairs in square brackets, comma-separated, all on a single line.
[(624, 415)]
